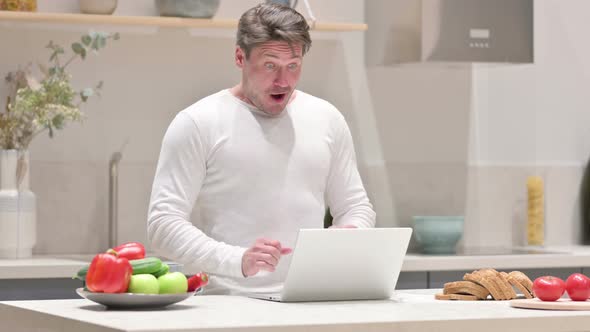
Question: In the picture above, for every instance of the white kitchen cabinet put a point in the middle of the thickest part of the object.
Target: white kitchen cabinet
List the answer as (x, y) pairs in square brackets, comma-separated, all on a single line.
[(39, 289), (412, 280), (65, 288)]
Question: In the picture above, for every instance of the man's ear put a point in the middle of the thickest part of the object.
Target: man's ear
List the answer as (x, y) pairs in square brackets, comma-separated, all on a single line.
[(240, 57)]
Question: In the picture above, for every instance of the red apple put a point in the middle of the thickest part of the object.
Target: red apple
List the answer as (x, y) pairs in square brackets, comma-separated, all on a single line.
[(577, 286), (548, 288)]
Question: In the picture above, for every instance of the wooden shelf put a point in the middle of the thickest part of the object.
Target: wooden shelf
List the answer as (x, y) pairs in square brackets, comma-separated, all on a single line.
[(158, 21)]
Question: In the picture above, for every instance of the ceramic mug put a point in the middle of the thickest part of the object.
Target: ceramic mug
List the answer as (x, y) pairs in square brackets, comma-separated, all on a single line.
[(289, 3)]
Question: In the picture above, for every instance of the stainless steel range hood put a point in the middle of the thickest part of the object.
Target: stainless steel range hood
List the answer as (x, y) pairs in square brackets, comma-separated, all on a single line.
[(449, 31), (477, 30)]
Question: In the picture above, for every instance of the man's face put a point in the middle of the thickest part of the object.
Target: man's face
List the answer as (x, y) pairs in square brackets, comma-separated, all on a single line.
[(270, 74)]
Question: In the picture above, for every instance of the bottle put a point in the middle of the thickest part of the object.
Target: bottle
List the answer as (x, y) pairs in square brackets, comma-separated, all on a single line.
[(536, 211)]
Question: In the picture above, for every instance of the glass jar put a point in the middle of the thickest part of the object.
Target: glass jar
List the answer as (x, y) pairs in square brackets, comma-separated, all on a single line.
[(19, 5)]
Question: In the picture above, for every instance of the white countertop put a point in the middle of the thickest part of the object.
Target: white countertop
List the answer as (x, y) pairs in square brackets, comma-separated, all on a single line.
[(413, 310), (555, 257), (44, 266), (38, 267), (65, 266)]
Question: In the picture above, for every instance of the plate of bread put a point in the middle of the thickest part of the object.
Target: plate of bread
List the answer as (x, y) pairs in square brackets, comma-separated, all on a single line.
[(488, 284), (515, 287)]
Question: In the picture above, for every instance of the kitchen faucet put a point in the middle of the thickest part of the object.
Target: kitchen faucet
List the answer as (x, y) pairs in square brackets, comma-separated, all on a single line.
[(114, 195)]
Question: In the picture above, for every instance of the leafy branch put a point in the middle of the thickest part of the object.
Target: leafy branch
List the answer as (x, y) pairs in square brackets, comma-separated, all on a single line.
[(49, 104)]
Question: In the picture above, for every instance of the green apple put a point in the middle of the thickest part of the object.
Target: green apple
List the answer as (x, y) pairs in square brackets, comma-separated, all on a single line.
[(173, 283), (143, 284)]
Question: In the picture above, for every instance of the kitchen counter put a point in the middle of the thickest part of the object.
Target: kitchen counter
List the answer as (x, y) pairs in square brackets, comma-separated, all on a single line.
[(547, 257), (39, 267), (65, 266), (411, 310), (45, 266)]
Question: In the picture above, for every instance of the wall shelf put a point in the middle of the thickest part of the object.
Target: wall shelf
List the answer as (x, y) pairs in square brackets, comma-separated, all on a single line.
[(156, 21)]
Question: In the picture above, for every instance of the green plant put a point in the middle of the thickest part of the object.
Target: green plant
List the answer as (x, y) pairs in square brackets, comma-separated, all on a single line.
[(34, 105)]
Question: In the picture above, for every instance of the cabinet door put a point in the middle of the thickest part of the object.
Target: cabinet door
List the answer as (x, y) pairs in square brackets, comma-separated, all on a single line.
[(38, 289), (562, 273), (439, 278), (412, 280)]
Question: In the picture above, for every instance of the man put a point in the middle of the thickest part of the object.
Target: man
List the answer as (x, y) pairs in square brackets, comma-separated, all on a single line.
[(260, 161)]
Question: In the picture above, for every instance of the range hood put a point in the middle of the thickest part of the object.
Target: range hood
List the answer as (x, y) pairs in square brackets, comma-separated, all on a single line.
[(477, 31), (449, 31)]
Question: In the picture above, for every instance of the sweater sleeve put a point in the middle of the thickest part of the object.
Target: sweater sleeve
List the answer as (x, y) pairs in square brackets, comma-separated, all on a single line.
[(346, 195), (177, 182)]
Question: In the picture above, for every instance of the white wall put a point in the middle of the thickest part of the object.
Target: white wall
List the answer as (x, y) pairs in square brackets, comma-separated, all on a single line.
[(533, 119), (150, 75), (539, 113), (430, 140), (463, 139), (422, 115)]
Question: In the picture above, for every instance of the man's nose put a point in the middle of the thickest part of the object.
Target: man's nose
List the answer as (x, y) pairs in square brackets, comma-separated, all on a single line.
[(281, 79)]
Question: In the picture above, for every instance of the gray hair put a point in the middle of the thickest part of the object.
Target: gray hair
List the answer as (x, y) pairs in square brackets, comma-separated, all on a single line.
[(272, 22)]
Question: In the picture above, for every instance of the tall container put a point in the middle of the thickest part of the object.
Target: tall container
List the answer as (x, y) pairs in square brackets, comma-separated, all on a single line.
[(536, 211), (17, 206)]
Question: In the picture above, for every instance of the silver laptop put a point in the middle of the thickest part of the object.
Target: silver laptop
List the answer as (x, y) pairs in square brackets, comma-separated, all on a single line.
[(343, 264)]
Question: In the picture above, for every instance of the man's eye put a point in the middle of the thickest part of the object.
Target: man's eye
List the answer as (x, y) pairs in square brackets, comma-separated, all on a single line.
[(293, 66), (269, 66)]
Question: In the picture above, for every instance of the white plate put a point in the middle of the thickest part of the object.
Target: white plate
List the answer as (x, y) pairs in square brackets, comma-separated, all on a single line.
[(134, 301)]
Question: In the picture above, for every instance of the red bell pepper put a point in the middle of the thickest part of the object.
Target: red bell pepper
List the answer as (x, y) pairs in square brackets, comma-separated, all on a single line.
[(130, 250), (197, 281), (108, 273)]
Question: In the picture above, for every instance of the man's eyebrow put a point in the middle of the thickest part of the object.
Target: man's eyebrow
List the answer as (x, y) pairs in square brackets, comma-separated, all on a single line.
[(274, 56)]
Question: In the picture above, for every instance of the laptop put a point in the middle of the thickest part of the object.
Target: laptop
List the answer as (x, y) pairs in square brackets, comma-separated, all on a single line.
[(339, 264)]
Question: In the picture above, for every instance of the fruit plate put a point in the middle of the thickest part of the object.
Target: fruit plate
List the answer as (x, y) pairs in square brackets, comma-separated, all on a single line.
[(134, 301)]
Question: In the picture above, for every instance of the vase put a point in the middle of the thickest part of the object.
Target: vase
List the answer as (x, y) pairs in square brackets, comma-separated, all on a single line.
[(18, 217)]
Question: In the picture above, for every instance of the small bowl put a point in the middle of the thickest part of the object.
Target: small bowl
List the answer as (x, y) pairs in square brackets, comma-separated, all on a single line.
[(100, 7), (188, 8), (438, 234)]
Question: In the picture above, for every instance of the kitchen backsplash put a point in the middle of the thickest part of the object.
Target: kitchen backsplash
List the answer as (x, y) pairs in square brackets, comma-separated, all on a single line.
[(497, 199), (73, 201)]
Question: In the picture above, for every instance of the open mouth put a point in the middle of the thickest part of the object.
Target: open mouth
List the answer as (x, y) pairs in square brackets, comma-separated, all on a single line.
[(278, 97)]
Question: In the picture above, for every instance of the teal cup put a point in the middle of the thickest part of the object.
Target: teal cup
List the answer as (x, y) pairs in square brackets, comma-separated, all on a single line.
[(438, 234)]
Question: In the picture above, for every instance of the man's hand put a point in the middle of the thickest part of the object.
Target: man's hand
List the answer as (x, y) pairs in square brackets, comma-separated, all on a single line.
[(263, 255)]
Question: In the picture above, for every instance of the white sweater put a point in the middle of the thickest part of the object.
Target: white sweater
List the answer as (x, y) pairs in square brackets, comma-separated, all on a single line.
[(250, 175)]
